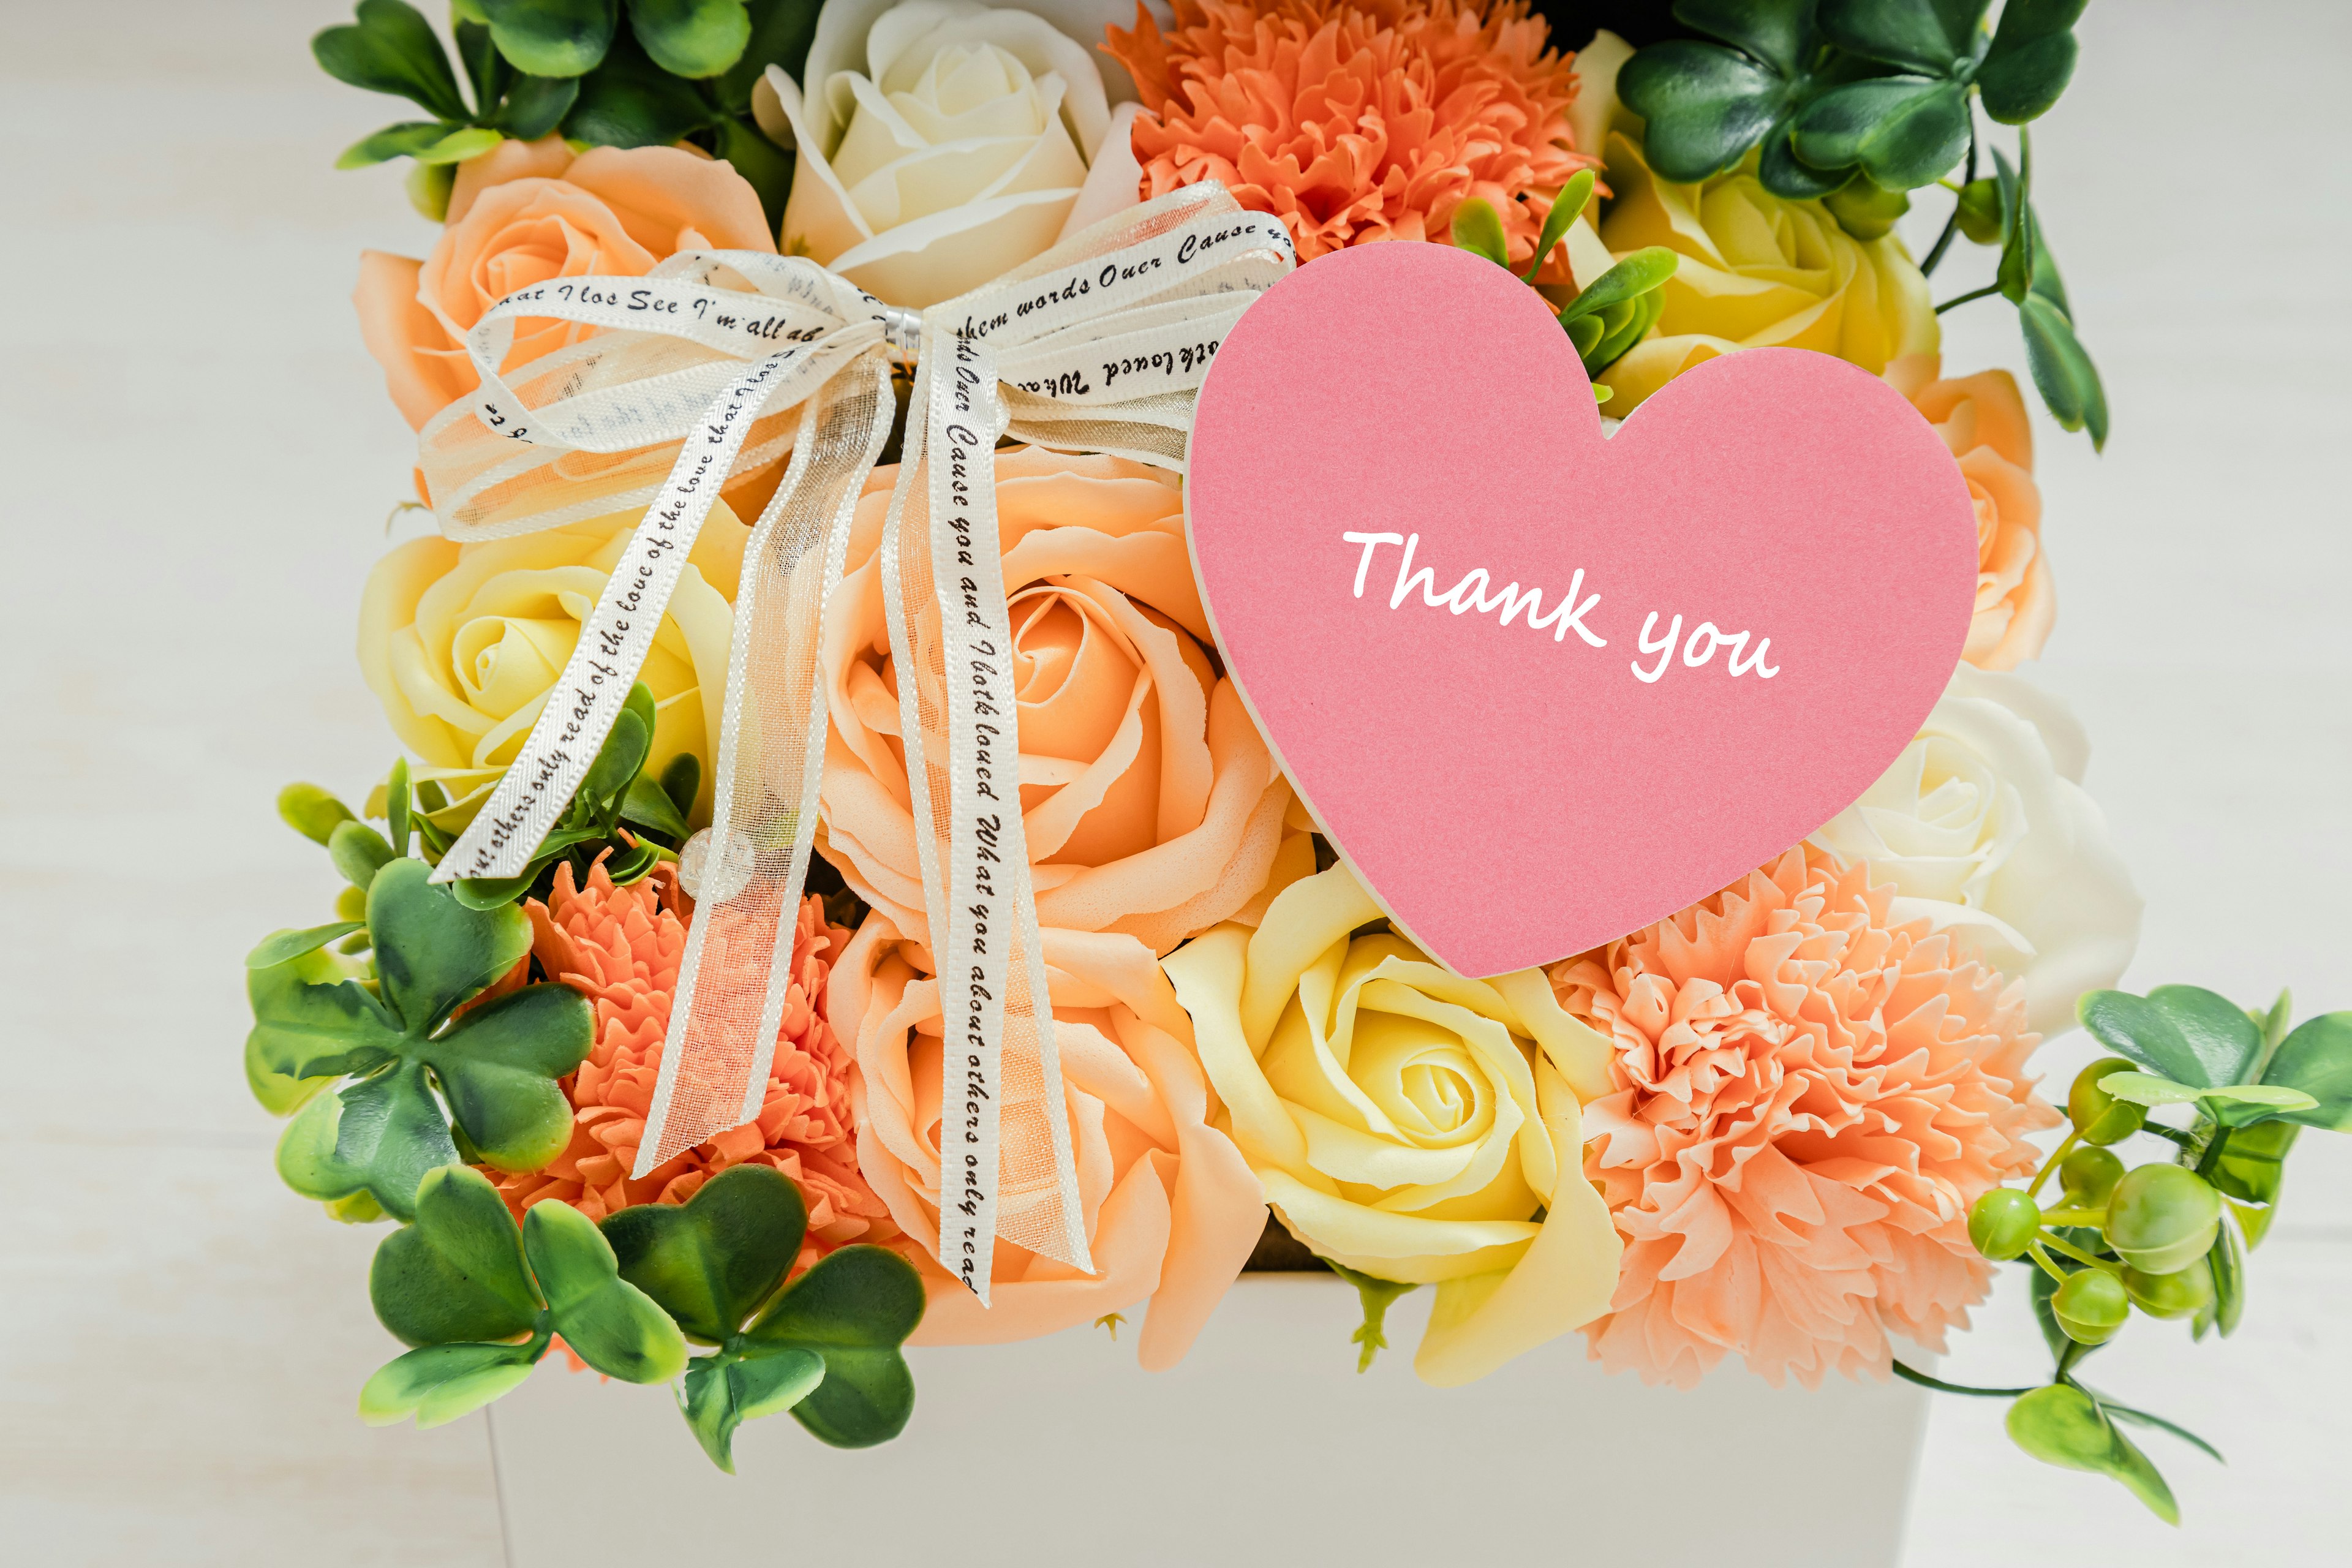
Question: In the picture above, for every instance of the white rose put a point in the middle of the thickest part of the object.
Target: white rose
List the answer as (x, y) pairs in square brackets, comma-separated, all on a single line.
[(943, 143), (1984, 829)]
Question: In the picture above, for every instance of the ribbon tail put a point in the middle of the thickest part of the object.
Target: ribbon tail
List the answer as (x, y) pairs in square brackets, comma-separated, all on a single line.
[(735, 978)]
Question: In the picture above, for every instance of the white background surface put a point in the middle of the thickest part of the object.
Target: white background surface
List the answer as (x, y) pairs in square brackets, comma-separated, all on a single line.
[(195, 461)]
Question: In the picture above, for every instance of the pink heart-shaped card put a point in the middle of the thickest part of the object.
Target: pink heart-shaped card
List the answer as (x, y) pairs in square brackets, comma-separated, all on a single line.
[(1540, 685)]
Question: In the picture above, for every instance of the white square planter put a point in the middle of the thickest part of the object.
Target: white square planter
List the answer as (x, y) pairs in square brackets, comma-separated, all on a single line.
[(1264, 1446)]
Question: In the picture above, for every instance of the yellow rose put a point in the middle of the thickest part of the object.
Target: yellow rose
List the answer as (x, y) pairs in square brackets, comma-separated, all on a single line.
[(1757, 271), (461, 642), (1406, 1122), (941, 143)]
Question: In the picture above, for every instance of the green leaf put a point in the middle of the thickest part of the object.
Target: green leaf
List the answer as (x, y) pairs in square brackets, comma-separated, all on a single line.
[(1477, 228), (2146, 1088), (629, 101), (2184, 1033), (490, 893), (441, 1383), (1703, 106), (2317, 1059), (2142, 1418), (281, 1094), (359, 852), (1779, 33), (1905, 132), (396, 805), (2245, 1105), (610, 1324), (2060, 1425), (391, 49), (682, 781), (536, 105), (2254, 1161), (1634, 276), (1786, 175), (2063, 372), (855, 1309), (487, 70), (378, 1134), (692, 37), (782, 31), (617, 761), (721, 1393), (309, 1020), (767, 167), (460, 146), (282, 946), (2031, 60), (1571, 200), (402, 141), (552, 37), (499, 1069), (647, 805), (307, 809), (433, 952), (2229, 1280), (1933, 37), (457, 1272), (2254, 1222), (711, 1261)]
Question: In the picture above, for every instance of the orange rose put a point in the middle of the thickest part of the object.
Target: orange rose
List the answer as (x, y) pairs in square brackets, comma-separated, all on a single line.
[(1171, 1209), (527, 211), (1982, 420), (1151, 806)]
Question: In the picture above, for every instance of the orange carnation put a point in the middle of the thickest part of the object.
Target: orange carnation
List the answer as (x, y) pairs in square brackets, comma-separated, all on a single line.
[(1811, 1097), (620, 947), (1358, 119)]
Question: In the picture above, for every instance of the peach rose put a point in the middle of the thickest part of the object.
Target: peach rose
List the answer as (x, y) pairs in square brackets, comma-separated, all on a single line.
[(1172, 1210), (1152, 807), (527, 211), (1982, 420)]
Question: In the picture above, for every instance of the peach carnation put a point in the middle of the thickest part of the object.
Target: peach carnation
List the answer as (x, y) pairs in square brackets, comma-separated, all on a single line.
[(1358, 119), (620, 947), (1811, 1097)]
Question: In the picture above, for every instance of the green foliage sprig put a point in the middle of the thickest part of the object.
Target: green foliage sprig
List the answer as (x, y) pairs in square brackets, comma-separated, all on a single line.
[(1605, 318), (482, 1301), (2168, 1237), (680, 70), (1859, 102)]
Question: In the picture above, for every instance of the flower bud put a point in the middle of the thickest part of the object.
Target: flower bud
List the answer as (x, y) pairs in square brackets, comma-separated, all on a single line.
[(2091, 1306), (1865, 209), (1979, 211), (2089, 1175), (2002, 1222), (2098, 1115), (2162, 1218), (2175, 1295)]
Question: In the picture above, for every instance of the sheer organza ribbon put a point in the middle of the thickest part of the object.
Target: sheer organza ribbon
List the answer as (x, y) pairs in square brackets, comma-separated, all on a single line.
[(716, 364)]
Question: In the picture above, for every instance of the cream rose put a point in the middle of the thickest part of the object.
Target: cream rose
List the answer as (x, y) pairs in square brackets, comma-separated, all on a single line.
[(1409, 1124), (461, 642), (1984, 827), (1150, 804), (1171, 1210), (941, 142)]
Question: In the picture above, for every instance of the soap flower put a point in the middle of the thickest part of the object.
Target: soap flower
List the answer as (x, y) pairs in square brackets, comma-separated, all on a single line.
[(1170, 1211), (1757, 270), (523, 212), (1810, 1094), (1360, 120), (1150, 805), (1982, 420), (1982, 829), (1406, 1122), (620, 947), (941, 143), (461, 643)]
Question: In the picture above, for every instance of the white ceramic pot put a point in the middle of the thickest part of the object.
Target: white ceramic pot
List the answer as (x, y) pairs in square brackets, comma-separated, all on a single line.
[(1264, 1446)]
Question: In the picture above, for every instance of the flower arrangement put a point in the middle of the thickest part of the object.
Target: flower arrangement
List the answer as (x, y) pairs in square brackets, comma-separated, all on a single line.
[(1791, 1124)]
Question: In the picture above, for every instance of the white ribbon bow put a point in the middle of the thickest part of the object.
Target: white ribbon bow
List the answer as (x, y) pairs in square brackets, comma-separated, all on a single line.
[(1099, 346)]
